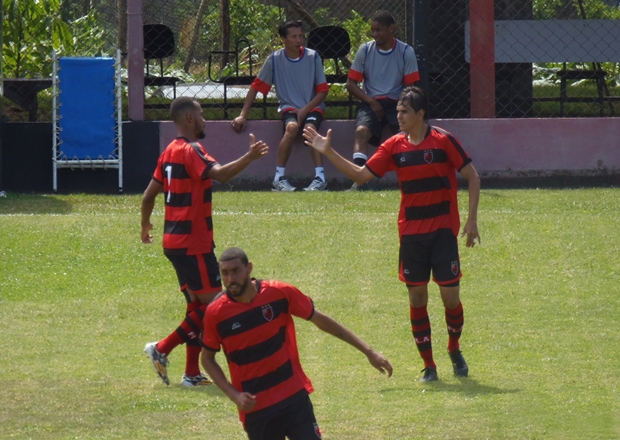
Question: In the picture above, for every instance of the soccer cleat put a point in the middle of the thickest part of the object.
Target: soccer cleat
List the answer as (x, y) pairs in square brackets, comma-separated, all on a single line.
[(430, 374), (356, 187), (458, 363), (159, 360), (316, 185), (282, 185), (195, 381)]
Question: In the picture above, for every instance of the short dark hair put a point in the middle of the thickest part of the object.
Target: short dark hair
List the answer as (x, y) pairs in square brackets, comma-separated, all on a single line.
[(181, 106), (234, 253), (383, 17), (416, 98), (284, 27)]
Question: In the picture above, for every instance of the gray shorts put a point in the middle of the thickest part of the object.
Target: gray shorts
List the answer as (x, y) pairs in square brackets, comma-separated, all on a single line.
[(368, 118)]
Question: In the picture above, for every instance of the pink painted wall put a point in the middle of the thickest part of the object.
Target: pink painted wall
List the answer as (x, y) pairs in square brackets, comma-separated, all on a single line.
[(500, 147)]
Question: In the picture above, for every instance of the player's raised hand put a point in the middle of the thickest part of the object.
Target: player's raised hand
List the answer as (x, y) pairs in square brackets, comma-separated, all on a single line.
[(320, 143), (257, 149), (380, 362)]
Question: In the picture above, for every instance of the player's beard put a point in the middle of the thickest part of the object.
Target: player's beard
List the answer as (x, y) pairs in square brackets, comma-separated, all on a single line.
[(242, 288), (200, 130)]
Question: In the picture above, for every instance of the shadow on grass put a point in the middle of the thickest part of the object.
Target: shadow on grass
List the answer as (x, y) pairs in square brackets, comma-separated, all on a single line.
[(33, 204), (467, 386)]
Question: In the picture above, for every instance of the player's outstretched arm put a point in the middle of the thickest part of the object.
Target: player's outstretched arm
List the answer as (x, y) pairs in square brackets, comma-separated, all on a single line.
[(244, 401), (146, 209), (223, 173), (470, 230), (323, 144), (334, 328)]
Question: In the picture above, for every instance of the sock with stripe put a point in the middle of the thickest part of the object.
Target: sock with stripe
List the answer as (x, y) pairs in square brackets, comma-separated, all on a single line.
[(359, 159), (187, 332), (279, 173), (454, 321), (421, 329)]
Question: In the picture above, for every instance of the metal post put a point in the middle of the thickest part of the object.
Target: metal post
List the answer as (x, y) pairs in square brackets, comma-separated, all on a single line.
[(420, 39), (482, 58), (54, 122), (135, 60), (119, 120), (1, 90)]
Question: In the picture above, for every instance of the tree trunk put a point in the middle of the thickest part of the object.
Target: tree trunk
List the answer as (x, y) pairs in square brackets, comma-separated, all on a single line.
[(597, 66), (122, 28), (192, 46), (225, 31)]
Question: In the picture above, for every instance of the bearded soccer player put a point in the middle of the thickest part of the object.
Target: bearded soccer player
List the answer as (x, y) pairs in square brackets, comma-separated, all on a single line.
[(426, 160), (184, 172), (384, 66), (298, 75), (252, 320)]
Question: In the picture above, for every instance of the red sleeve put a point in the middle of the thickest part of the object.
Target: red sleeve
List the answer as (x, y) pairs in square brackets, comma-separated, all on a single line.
[(322, 88), (199, 161), (356, 76), (457, 156), (381, 162), (261, 86), (210, 336), (158, 173), (300, 305), (411, 78)]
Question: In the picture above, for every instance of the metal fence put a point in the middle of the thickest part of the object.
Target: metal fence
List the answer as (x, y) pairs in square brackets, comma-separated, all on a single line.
[(553, 58)]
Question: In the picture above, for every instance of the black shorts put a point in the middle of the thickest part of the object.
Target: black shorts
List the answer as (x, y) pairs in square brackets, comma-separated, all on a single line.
[(314, 118), (438, 253), (368, 118), (198, 273), (295, 422)]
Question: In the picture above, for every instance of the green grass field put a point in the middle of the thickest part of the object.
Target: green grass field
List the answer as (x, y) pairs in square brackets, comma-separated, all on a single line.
[(80, 295)]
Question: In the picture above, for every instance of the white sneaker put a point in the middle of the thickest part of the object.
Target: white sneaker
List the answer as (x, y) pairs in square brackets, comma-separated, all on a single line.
[(316, 185), (159, 360), (282, 185), (195, 381)]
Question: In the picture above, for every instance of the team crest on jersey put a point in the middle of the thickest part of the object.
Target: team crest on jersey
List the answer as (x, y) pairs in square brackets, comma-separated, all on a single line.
[(317, 431), (428, 156), (267, 312), (454, 266)]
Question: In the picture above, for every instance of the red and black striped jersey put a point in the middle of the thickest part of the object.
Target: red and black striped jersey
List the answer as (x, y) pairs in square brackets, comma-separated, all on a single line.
[(259, 341), (427, 178), (183, 170)]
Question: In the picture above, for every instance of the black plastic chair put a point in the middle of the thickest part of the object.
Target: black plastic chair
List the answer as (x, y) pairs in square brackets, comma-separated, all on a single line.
[(159, 44), (331, 42)]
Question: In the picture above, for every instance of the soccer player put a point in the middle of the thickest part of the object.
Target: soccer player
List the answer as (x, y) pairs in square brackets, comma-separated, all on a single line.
[(425, 159), (184, 172), (384, 65), (252, 320), (297, 73)]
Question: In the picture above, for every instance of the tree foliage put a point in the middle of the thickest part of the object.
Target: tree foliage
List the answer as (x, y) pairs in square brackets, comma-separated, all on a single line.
[(33, 28)]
